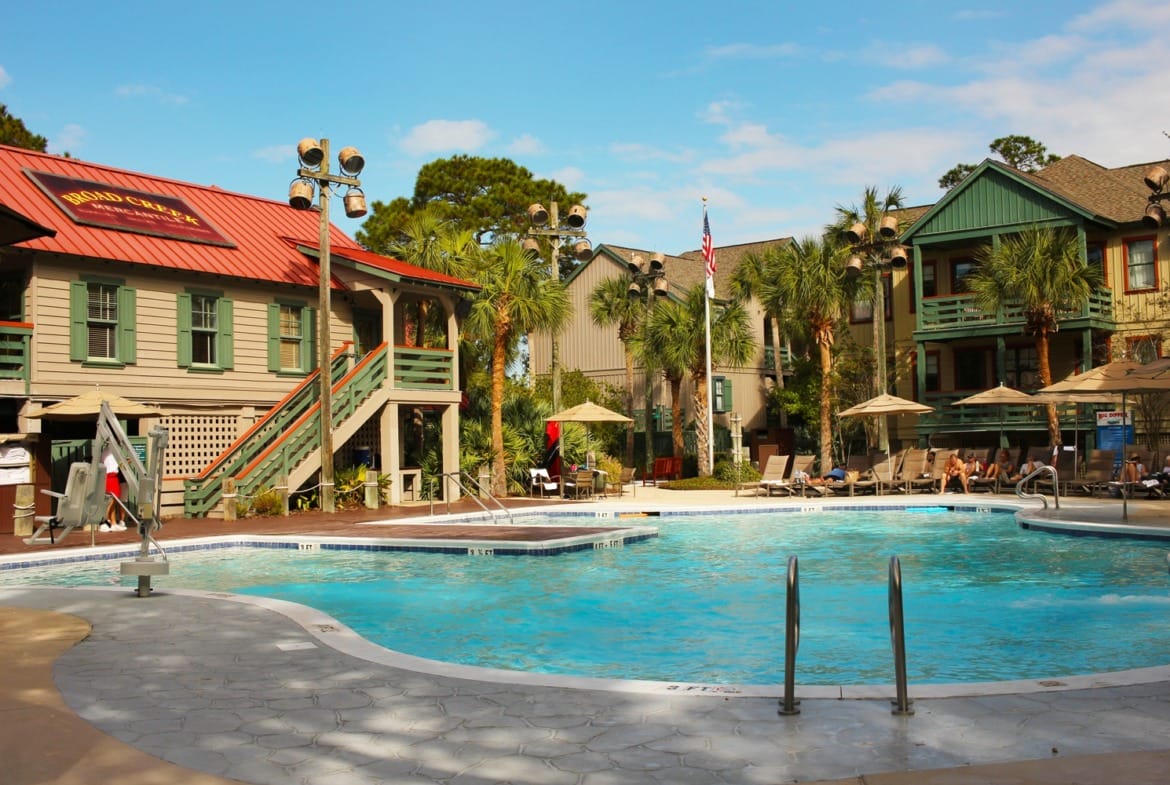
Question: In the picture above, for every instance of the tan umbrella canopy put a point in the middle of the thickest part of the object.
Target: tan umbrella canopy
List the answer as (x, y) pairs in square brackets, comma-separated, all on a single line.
[(1000, 396), (89, 404), (885, 404), (588, 412), (1122, 376)]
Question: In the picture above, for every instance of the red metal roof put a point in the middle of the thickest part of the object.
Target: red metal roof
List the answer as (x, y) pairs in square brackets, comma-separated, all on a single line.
[(265, 231)]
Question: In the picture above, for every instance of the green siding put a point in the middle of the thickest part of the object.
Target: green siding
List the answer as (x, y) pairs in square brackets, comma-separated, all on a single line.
[(995, 201)]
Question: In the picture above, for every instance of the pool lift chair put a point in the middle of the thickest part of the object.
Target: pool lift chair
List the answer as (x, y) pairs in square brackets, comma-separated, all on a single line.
[(85, 499)]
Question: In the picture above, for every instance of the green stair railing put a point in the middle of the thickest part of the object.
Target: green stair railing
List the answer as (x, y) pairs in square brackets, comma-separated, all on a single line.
[(277, 461), (203, 493)]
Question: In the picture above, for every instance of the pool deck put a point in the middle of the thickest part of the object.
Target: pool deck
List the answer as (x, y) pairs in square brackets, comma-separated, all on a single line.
[(201, 688)]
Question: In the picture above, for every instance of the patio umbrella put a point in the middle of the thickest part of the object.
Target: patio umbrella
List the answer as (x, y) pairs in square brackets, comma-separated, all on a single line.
[(1122, 376), (885, 404), (586, 413), (1000, 396), (882, 405), (89, 405)]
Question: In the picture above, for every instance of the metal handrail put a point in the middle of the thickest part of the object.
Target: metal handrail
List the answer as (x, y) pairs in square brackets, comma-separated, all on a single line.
[(455, 477), (898, 639), (1020, 492), (789, 703)]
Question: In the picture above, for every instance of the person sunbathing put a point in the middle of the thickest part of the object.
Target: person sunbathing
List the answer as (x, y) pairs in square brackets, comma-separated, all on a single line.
[(1002, 467), (955, 469)]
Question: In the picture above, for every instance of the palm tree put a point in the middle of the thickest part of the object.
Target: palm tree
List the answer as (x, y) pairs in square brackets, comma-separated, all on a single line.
[(754, 278), (810, 275), (870, 213), (676, 335), (610, 303), (1044, 271), (517, 297), (434, 243)]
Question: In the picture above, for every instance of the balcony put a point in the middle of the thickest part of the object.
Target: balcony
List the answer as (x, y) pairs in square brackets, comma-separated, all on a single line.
[(416, 368), (957, 316), (15, 338), (947, 418)]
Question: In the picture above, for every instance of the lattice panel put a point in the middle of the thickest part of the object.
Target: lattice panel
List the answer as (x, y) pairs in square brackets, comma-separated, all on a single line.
[(193, 441)]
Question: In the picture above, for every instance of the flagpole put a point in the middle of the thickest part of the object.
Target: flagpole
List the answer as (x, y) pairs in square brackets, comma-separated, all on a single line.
[(709, 255)]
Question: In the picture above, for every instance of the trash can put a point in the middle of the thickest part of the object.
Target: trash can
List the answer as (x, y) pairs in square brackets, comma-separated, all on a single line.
[(363, 456)]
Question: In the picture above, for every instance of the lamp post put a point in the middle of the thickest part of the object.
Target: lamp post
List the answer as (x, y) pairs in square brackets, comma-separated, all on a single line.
[(881, 252), (650, 279), (548, 224), (314, 173), (1157, 178)]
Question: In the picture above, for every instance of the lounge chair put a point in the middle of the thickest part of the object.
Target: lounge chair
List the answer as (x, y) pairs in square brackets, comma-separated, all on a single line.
[(888, 473), (542, 484), (854, 466), (772, 478), (1098, 473), (917, 475)]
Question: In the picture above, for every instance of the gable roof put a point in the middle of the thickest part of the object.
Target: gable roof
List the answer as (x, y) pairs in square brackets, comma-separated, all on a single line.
[(1073, 189), (267, 237)]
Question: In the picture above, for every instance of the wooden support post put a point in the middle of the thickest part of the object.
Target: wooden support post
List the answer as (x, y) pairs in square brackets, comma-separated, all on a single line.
[(229, 498), (371, 489), (24, 511)]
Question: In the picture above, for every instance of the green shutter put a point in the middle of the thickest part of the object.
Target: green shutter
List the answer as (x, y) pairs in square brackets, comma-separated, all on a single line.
[(183, 333), (726, 381), (227, 356), (273, 337), (309, 344), (78, 314), (127, 325)]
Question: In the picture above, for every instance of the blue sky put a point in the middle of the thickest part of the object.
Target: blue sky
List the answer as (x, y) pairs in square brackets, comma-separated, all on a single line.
[(776, 114)]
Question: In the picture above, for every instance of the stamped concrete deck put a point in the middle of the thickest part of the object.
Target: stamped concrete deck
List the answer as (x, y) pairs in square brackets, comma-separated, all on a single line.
[(101, 686)]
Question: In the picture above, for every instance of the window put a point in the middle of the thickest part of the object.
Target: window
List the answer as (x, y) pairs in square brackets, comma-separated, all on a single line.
[(1143, 348), (205, 331), (960, 269), (721, 394), (1095, 259), (102, 322), (1140, 264), (1022, 368), (929, 282), (862, 310), (290, 338), (970, 369), (932, 375)]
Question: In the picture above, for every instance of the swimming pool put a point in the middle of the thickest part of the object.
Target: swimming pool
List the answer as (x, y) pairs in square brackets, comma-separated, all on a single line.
[(704, 601)]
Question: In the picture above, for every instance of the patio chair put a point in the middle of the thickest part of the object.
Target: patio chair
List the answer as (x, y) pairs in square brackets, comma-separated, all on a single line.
[(772, 478), (580, 484), (618, 484), (854, 466), (542, 484), (937, 482)]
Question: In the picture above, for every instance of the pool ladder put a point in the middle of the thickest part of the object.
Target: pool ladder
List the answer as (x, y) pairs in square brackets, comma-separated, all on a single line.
[(1049, 470), (789, 702), (458, 478)]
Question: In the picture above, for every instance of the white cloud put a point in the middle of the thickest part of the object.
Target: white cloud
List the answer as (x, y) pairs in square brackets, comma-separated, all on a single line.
[(634, 151), (149, 91), (69, 139), (570, 176), (719, 112), (277, 153), (442, 136), (906, 58), (5, 79), (525, 144)]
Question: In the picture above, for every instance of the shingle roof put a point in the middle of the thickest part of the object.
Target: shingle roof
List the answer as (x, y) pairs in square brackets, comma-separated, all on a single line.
[(1118, 195), (265, 232), (688, 268)]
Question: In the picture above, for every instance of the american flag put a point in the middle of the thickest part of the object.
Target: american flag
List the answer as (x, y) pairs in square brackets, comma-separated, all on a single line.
[(709, 254)]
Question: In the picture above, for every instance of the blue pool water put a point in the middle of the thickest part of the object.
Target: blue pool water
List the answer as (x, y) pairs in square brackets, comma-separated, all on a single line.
[(704, 602)]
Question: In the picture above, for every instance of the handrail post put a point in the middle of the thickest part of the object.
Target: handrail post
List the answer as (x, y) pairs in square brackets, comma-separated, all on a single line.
[(898, 639), (789, 703)]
